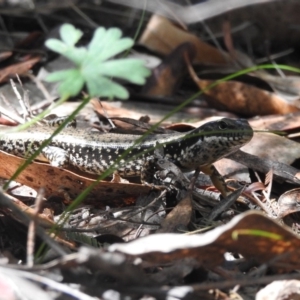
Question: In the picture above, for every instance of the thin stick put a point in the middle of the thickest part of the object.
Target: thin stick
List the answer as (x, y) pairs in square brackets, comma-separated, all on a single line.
[(32, 228)]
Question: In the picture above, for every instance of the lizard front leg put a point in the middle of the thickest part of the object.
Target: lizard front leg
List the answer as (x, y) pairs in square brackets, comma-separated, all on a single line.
[(162, 172), (149, 167), (159, 170), (216, 179), (56, 156)]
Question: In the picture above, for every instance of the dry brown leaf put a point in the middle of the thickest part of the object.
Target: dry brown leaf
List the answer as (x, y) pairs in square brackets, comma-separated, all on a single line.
[(277, 122), (166, 77), (272, 146), (282, 171), (233, 170), (288, 202), (267, 238), (105, 108), (18, 68), (255, 187), (53, 179), (244, 99), (4, 121), (42, 219), (265, 151), (5, 55), (280, 290), (163, 36), (179, 216)]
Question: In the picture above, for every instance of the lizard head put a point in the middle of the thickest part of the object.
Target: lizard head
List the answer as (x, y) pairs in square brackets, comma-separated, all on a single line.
[(236, 132), (214, 140)]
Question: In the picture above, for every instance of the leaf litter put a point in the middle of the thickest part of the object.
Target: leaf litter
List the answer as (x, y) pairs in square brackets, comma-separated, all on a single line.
[(174, 247)]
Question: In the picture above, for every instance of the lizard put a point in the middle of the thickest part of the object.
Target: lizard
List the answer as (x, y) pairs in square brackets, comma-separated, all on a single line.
[(95, 152)]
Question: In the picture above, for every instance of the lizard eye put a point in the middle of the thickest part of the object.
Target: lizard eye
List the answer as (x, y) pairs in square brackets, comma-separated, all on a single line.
[(223, 125)]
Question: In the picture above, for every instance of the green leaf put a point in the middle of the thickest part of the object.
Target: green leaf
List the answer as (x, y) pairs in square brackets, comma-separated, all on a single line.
[(106, 88), (71, 81), (56, 46), (69, 34), (108, 43), (76, 55), (59, 75), (123, 68), (92, 66)]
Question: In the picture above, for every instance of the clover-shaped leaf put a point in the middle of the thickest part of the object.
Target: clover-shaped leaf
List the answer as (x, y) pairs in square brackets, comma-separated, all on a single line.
[(94, 65), (71, 81), (70, 35)]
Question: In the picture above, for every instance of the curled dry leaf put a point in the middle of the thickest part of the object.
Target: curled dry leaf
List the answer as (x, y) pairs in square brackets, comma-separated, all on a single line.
[(18, 68), (289, 202), (166, 77), (54, 180), (42, 219), (280, 290), (106, 108), (255, 187), (179, 216), (242, 98), (133, 110), (163, 36), (267, 238)]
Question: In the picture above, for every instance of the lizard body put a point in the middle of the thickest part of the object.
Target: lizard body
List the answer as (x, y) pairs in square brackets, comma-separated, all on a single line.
[(94, 152)]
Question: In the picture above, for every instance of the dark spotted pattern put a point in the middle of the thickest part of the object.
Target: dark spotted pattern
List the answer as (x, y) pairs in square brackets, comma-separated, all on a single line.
[(94, 152)]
